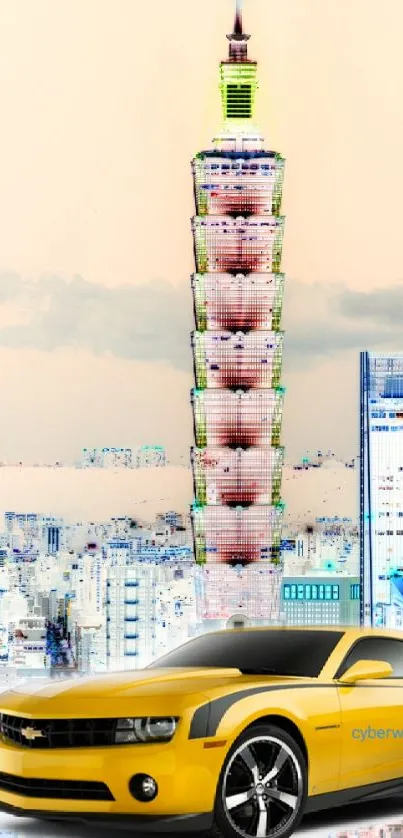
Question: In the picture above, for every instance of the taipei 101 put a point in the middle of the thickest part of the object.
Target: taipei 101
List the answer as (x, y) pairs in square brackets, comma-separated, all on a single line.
[(201, 464), (237, 350)]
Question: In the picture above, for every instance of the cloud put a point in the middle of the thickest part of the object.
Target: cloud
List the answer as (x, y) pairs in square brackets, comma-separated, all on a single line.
[(152, 321), (323, 320), (146, 322), (382, 306), (11, 286)]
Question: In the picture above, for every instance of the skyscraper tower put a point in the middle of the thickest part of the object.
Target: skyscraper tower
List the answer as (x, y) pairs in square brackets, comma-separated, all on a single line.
[(381, 489), (237, 348)]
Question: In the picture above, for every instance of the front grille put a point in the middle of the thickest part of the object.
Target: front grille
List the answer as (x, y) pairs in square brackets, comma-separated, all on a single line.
[(58, 733), (61, 789)]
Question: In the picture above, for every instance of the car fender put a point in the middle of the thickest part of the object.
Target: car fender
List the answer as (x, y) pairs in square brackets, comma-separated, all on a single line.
[(313, 709)]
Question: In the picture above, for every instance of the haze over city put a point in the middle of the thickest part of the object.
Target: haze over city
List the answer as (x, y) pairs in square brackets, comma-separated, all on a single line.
[(97, 494)]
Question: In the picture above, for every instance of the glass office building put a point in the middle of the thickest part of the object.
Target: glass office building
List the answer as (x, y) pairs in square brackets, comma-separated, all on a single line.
[(320, 600), (237, 349), (381, 489)]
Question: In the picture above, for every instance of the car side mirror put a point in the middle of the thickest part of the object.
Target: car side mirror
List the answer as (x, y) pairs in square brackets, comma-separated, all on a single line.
[(366, 670)]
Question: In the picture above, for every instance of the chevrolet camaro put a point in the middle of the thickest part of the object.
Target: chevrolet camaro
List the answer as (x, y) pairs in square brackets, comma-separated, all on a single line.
[(236, 733)]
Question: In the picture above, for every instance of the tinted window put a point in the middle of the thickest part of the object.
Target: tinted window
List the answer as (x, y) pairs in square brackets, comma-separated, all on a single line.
[(376, 649), (282, 651)]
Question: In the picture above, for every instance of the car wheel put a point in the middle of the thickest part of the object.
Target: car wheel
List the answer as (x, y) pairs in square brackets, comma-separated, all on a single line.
[(262, 787)]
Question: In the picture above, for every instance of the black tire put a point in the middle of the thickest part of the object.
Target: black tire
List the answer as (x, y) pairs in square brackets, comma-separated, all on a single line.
[(279, 747)]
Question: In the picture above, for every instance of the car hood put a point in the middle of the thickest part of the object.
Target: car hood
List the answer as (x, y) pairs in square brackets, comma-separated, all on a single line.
[(126, 684), (156, 690)]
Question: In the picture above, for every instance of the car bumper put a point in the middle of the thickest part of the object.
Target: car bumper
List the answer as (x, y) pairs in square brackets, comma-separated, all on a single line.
[(142, 823), (185, 772)]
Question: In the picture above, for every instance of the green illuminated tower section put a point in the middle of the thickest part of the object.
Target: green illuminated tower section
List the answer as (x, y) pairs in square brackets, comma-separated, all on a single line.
[(237, 350), (238, 75)]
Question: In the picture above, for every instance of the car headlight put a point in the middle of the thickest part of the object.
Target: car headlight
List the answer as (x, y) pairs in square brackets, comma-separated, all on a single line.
[(150, 729)]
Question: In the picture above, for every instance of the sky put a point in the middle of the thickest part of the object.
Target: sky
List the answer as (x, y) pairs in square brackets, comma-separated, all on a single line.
[(103, 106)]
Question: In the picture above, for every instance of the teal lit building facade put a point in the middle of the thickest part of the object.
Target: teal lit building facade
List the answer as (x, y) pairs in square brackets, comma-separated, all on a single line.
[(327, 599)]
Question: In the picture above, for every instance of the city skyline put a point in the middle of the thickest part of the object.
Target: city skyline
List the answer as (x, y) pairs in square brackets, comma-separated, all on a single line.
[(116, 591), (81, 304)]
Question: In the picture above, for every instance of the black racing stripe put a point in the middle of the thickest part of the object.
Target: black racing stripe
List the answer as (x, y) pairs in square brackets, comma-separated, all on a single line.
[(200, 722), (206, 718)]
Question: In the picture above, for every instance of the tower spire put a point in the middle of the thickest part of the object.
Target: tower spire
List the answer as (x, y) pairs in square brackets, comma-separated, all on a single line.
[(238, 47), (238, 18)]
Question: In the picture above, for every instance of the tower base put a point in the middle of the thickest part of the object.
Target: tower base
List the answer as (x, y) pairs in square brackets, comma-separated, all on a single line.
[(250, 593)]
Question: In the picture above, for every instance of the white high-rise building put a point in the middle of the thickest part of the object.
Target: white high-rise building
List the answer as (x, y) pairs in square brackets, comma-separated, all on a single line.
[(178, 616), (118, 551), (328, 544), (381, 489), (28, 646), (131, 615), (87, 580), (90, 646)]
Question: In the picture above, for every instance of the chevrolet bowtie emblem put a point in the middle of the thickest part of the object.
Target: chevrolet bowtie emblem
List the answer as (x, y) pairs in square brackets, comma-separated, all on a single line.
[(30, 733)]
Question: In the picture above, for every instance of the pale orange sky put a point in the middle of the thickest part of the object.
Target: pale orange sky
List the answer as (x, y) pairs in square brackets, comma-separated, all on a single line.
[(103, 104)]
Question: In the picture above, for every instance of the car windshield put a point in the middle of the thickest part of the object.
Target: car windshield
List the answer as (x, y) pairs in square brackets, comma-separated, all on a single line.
[(275, 651)]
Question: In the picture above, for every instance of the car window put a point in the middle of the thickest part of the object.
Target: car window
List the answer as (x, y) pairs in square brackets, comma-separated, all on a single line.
[(376, 648), (301, 652)]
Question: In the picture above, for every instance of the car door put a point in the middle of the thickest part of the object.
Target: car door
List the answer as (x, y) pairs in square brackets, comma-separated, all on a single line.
[(372, 716)]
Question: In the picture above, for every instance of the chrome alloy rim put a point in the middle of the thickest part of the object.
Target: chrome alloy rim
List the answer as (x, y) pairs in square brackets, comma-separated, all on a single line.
[(262, 788)]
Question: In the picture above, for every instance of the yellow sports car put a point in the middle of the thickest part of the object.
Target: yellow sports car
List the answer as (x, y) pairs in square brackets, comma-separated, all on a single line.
[(236, 733)]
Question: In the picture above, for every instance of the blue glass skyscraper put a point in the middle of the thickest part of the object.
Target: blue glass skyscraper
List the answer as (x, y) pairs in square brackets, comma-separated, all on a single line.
[(381, 489)]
